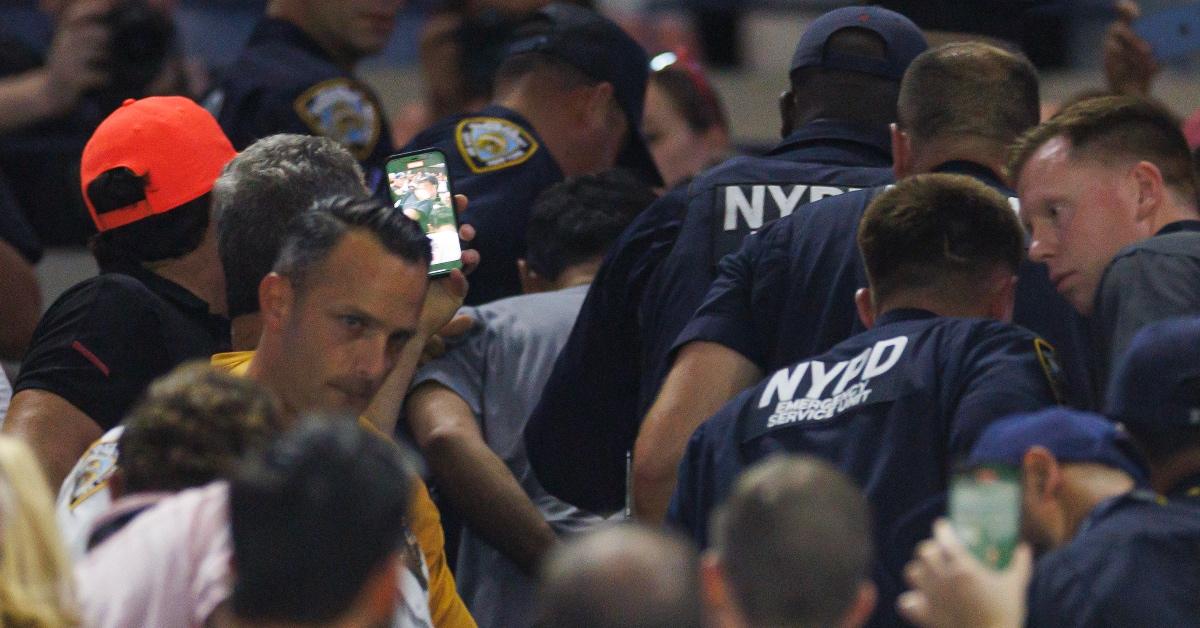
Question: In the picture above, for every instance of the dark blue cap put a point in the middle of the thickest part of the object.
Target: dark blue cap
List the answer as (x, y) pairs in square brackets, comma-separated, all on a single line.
[(1156, 383), (1071, 435), (599, 48), (902, 39)]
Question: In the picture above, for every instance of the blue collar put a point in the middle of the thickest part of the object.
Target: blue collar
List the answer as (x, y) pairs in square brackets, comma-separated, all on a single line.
[(826, 130), (1180, 226), (899, 315), (975, 170)]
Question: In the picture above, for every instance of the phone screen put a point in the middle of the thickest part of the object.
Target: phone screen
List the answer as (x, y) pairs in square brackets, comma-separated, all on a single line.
[(985, 509), (420, 187)]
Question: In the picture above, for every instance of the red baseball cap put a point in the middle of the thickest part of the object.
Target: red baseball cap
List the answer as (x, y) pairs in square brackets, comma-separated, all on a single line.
[(170, 141)]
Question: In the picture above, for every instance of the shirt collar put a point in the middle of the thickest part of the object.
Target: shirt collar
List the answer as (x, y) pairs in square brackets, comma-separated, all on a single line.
[(824, 130), (270, 29), (903, 314), (977, 171), (1180, 225), (179, 296)]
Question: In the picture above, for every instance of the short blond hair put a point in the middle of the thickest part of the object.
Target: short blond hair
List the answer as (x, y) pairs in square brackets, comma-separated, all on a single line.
[(35, 573)]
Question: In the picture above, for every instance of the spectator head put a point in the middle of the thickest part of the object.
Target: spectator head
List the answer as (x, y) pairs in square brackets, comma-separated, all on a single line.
[(940, 242), (573, 223), (963, 99), (317, 522), (686, 127), (1102, 174), (194, 426), (348, 30), (1155, 394), (572, 59), (263, 188), (1070, 461), (426, 187), (35, 574), (848, 66), (147, 173), (791, 547), (342, 300), (624, 576)]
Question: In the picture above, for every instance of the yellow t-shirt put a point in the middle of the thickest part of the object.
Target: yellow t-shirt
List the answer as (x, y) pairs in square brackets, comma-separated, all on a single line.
[(446, 608)]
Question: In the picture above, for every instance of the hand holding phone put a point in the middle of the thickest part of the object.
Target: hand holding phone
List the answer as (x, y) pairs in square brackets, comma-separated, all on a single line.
[(985, 510), (419, 184)]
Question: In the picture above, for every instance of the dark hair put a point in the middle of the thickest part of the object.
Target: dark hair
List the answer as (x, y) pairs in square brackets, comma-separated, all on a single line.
[(550, 70), (795, 539), (692, 96), (168, 235), (942, 232), (844, 94), (623, 576), (312, 518), (578, 219), (1111, 129), (315, 232), (428, 179), (193, 426), (969, 89), (260, 191)]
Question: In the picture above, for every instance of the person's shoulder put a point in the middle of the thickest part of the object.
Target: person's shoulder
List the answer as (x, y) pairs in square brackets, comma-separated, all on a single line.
[(491, 143), (115, 293), (1181, 244)]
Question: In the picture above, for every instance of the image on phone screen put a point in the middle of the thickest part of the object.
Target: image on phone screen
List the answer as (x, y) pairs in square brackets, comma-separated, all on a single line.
[(420, 187), (985, 510)]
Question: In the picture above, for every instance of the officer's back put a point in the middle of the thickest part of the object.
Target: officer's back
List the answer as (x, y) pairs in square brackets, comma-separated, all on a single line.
[(568, 101), (895, 406), (845, 78)]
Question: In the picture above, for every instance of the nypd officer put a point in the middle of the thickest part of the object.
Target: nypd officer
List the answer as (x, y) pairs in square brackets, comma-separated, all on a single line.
[(894, 406), (296, 76), (568, 101), (787, 293), (845, 77)]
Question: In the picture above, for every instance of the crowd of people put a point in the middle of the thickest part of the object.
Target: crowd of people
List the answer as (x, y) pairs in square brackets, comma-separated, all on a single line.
[(670, 385)]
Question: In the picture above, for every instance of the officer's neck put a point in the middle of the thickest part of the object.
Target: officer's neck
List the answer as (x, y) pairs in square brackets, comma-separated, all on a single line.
[(928, 154), (198, 272)]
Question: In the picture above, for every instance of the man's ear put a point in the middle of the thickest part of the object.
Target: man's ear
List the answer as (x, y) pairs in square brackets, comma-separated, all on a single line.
[(865, 304), (380, 594), (1040, 472), (1003, 298), (275, 299), (1151, 190), (901, 152), (862, 607), (530, 281), (787, 113)]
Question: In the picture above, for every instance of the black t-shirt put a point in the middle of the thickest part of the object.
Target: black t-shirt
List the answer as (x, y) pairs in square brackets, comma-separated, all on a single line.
[(104, 340)]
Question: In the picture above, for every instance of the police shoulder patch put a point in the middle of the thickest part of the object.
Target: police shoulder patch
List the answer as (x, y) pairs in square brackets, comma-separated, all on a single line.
[(1050, 366), (342, 110), (94, 469), (489, 144)]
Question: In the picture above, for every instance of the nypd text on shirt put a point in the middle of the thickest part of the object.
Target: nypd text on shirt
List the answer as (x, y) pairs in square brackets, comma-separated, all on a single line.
[(748, 207), (828, 389)]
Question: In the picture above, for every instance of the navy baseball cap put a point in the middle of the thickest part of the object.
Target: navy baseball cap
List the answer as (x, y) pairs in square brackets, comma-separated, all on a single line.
[(1156, 383), (596, 46), (902, 39), (1071, 435)]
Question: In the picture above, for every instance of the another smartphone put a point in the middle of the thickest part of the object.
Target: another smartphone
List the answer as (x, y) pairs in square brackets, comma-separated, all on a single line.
[(1172, 33), (985, 509), (420, 187)]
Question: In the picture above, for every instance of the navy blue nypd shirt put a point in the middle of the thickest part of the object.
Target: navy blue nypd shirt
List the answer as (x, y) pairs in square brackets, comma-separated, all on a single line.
[(893, 408), (284, 82), (498, 161), (788, 292), (653, 279)]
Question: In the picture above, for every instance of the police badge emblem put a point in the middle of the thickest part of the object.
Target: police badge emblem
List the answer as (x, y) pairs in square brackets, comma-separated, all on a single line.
[(488, 144), (343, 111), (1054, 373)]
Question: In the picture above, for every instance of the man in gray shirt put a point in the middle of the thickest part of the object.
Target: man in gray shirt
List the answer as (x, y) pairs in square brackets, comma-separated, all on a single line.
[(468, 408)]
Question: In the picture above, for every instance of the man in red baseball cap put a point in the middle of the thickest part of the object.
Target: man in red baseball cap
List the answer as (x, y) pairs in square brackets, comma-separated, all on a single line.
[(159, 299)]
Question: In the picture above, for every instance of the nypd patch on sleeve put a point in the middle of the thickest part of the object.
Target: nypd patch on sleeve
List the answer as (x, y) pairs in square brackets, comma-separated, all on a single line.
[(489, 144), (344, 111)]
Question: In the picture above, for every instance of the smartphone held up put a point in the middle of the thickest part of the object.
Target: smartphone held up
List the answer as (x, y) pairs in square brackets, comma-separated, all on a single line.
[(419, 183)]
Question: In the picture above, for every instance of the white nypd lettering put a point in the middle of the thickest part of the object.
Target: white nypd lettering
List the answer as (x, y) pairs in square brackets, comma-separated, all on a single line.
[(820, 402), (754, 210)]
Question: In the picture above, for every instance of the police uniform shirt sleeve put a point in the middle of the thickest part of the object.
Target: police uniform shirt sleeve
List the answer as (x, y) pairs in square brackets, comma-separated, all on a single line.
[(577, 435), (1005, 370), (1141, 286), (97, 347), (462, 367)]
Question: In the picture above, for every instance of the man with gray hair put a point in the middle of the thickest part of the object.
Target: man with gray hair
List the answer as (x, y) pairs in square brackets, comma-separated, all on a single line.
[(257, 194), (791, 547), (623, 576)]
